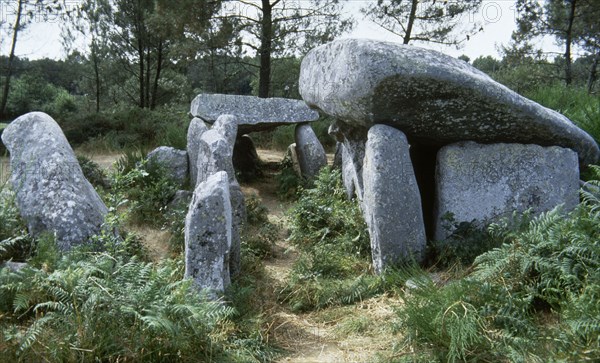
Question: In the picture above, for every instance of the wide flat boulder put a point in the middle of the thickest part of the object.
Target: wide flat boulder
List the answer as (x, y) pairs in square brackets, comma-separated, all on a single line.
[(252, 113), (433, 98)]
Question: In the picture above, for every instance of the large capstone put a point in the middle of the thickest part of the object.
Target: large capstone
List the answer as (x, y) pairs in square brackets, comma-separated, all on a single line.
[(391, 202), (174, 162), (252, 113), (51, 192), (208, 234), (431, 97), (310, 152), (195, 130), (484, 183)]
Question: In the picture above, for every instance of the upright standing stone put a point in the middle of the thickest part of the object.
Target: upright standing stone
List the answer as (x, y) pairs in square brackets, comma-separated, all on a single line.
[(391, 202), (51, 192), (353, 142), (482, 183), (208, 234), (215, 155), (195, 130), (175, 162), (227, 126), (311, 155)]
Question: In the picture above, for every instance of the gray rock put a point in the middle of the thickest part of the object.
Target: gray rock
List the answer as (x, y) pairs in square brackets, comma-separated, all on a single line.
[(337, 157), (208, 235), (311, 155), (483, 183), (13, 266), (51, 192), (292, 156), (431, 97), (175, 162), (238, 209), (353, 154), (253, 113), (195, 130), (391, 201), (227, 126), (215, 155)]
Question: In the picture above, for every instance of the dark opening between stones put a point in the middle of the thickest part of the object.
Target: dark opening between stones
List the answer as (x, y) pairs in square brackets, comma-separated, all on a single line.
[(423, 158)]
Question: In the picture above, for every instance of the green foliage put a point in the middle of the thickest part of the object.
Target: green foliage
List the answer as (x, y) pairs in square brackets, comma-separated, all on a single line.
[(575, 103), (146, 186), (534, 298), (334, 262), (111, 309), (15, 242), (92, 172), (259, 234)]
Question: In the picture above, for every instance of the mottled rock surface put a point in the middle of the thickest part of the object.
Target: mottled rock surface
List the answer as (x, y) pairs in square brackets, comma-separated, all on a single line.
[(227, 126), (431, 97), (253, 113), (238, 210), (195, 130), (486, 182), (175, 162), (391, 201), (51, 192), (310, 152), (208, 234), (215, 154)]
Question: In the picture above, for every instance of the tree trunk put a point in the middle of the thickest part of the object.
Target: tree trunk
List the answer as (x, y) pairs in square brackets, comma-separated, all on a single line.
[(96, 65), (11, 59), (411, 21), (593, 74), (159, 58), (147, 78), (569, 40), (266, 41), (141, 75)]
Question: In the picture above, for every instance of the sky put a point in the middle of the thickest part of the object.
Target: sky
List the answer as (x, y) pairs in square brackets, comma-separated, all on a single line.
[(42, 38)]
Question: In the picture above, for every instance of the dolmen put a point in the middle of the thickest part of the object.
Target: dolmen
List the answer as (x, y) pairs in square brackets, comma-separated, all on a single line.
[(217, 212), (425, 137), (263, 114)]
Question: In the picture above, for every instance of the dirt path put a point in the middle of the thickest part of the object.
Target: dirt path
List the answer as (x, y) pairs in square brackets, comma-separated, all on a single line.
[(357, 333)]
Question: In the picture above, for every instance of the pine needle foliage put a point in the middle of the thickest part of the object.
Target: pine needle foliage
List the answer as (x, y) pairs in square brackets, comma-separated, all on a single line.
[(534, 298)]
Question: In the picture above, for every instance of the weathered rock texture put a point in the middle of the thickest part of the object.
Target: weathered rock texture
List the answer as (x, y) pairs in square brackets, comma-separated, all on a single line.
[(310, 152), (208, 234), (352, 142), (227, 126), (486, 182), (175, 162), (291, 155), (195, 130), (51, 192), (431, 97), (214, 155), (238, 210), (391, 202), (253, 113)]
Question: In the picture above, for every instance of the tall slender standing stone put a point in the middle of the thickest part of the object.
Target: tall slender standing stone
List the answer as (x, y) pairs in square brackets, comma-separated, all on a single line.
[(391, 201), (195, 130), (208, 234), (311, 155)]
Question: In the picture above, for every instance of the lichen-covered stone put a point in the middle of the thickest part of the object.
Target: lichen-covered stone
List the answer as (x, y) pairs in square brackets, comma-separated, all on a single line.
[(52, 193), (391, 201), (310, 152), (214, 155), (174, 162), (431, 97), (252, 113), (227, 126), (483, 183), (208, 234), (195, 130)]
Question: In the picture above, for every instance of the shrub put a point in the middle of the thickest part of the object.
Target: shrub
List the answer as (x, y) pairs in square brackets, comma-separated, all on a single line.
[(334, 263), (92, 172), (533, 298)]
